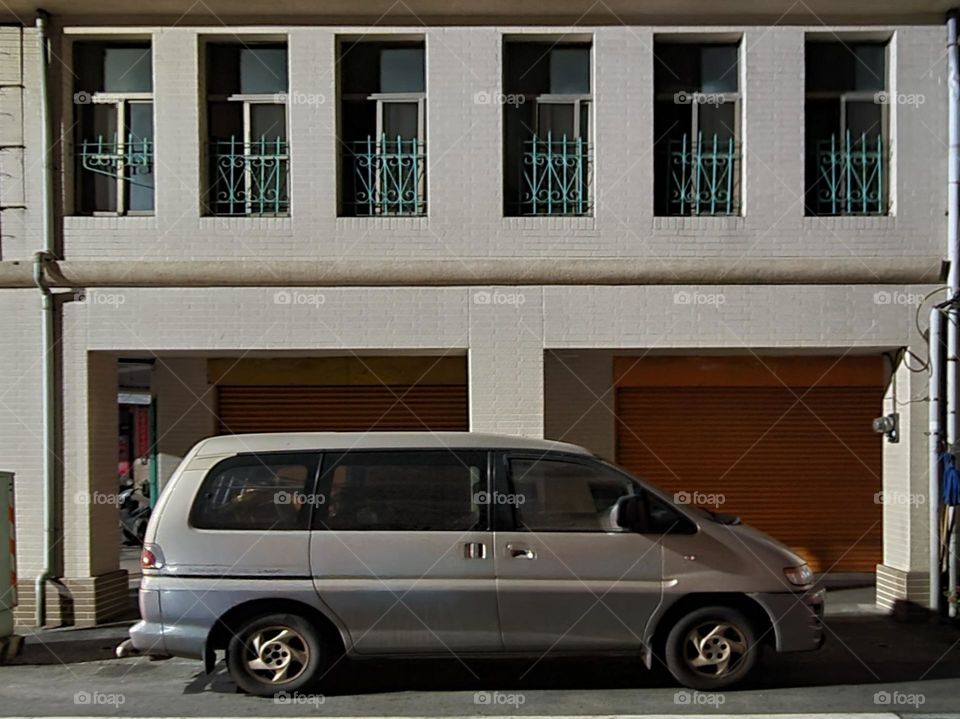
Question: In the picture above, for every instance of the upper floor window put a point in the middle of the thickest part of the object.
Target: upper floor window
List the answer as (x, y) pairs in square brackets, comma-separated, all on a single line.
[(382, 127), (114, 154), (547, 128), (847, 140), (696, 127), (248, 157)]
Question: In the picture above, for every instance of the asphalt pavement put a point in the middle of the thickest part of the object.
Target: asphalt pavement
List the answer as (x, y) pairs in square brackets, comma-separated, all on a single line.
[(870, 664)]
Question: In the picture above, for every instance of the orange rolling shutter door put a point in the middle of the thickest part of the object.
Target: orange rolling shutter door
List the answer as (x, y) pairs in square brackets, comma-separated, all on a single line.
[(805, 472), (246, 408)]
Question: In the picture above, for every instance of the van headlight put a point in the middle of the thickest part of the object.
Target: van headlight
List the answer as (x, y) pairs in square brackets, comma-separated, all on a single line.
[(799, 576)]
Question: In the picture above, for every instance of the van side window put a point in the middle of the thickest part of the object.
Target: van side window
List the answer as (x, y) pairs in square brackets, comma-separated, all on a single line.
[(258, 492), (559, 496), (437, 491)]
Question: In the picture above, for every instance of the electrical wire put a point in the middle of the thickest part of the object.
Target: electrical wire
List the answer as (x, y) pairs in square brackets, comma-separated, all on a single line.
[(924, 364)]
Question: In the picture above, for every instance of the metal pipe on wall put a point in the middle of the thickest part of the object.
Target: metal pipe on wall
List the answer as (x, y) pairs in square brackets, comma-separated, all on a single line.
[(48, 388), (48, 331), (934, 439), (953, 275), (479, 271)]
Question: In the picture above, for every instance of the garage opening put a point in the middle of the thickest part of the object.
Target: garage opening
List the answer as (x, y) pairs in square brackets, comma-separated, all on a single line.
[(346, 394), (784, 443)]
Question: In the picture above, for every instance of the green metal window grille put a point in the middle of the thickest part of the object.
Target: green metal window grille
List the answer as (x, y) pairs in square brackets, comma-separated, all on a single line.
[(851, 176), (555, 176), (250, 178), (129, 161), (389, 176), (704, 176)]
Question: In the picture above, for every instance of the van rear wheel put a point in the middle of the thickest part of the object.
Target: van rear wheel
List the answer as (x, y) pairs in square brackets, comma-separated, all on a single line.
[(275, 653), (711, 648)]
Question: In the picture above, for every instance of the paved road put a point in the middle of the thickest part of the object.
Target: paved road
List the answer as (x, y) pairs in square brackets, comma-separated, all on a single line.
[(913, 667)]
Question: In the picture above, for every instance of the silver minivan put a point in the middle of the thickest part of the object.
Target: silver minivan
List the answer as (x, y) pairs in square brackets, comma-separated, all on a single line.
[(290, 551)]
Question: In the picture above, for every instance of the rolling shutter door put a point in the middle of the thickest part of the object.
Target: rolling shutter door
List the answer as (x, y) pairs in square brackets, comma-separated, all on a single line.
[(252, 408), (804, 472)]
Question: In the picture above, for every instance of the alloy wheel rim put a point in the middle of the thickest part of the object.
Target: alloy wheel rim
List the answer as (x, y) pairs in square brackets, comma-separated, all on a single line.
[(277, 655), (714, 649)]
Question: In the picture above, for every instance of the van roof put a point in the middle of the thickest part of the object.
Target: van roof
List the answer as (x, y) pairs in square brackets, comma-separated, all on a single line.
[(302, 441)]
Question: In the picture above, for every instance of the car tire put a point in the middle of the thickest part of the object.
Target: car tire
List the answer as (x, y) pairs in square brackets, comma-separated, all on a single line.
[(275, 653), (711, 648)]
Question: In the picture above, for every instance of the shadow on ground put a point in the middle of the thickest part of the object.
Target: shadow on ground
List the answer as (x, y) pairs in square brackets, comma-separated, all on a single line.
[(858, 650)]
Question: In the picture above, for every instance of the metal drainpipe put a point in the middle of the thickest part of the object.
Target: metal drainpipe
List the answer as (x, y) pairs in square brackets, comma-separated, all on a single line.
[(953, 254), (48, 310), (49, 439), (935, 430)]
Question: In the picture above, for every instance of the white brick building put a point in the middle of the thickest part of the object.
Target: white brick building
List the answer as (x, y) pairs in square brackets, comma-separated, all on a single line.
[(565, 320)]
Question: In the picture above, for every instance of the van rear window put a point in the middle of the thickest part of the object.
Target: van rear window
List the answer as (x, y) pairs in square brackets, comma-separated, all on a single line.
[(441, 490), (257, 491)]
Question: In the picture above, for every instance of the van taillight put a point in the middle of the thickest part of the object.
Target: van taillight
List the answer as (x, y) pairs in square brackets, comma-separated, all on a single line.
[(151, 557)]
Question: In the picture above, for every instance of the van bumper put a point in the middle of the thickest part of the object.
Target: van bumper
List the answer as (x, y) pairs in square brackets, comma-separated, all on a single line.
[(797, 619), (186, 636), (180, 613), (146, 636)]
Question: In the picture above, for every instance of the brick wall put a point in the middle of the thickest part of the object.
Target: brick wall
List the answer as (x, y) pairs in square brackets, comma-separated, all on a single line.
[(512, 384), (464, 137)]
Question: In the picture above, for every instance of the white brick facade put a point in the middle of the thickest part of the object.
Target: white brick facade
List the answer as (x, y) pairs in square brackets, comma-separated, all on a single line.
[(526, 373), (465, 166)]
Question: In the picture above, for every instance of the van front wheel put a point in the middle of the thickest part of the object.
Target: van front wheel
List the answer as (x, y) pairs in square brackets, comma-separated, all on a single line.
[(275, 653), (711, 648)]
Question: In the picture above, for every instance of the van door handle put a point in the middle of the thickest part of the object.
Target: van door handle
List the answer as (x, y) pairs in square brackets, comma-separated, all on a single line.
[(475, 550), (521, 552)]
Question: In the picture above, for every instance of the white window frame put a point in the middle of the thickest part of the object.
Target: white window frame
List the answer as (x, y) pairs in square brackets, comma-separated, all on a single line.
[(395, 98), (120, 101), (381, 99), (844, 98), (577, 101), (247, 101)]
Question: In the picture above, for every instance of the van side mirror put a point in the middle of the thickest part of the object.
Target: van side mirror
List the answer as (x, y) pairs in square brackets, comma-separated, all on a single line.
[(630, 513)]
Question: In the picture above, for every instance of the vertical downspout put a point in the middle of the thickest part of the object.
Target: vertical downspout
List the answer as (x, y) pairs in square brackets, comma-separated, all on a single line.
[(48, 312), (953, 254), (934, 440), (49, 438), (154, 467)]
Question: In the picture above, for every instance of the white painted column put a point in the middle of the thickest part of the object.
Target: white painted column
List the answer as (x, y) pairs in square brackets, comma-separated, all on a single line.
[(176, 113), (903, 575), (505, 363)]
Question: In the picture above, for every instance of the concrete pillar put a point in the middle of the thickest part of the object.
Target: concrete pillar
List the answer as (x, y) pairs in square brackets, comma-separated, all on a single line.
[(463, 121), (93, 588), (903, 576), (312, 107), (176, 71), (186, 409), (505, 363)]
